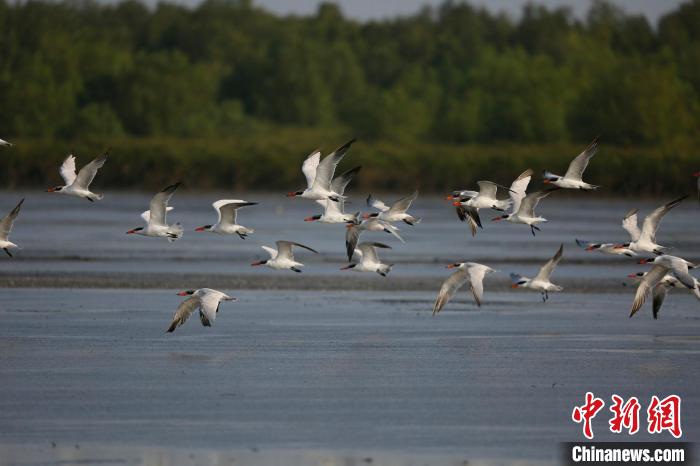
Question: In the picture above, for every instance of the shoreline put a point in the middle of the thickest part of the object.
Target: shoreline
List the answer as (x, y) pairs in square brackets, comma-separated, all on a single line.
[(304, 282)]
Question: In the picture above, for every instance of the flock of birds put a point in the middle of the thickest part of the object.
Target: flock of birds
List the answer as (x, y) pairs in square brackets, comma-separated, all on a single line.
[(328, 190)]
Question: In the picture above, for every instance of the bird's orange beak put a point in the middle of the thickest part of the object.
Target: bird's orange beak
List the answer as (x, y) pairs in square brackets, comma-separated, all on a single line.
[(309, 219), (644, 261), (449, 198), (456, 203), (257, 263), (200, 229), (292, 194), (131, 232), (497, 219), (347, 267), (632, 275), (182, 293), (50, 190), (514, 285), (589, 248)]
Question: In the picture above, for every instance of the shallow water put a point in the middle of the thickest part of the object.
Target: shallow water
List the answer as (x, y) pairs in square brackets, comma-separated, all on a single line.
[(71, 236), (326, 376)]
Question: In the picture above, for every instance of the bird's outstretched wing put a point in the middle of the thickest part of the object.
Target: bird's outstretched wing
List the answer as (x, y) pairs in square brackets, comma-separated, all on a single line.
[(448, 289), (580, 162), (183, 312), (88, 172), (546, 271)]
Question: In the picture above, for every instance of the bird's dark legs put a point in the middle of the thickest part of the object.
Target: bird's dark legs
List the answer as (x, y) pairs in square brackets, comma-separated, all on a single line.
[(7, 251), (242, 236), (295, 269)]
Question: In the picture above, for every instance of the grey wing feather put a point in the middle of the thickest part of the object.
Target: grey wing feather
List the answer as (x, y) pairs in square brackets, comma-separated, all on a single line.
[(579, 164), (529, 202), (658, 295), (341, 181), (448, 289), (7, 223), (629, 223), (326, 168), (183, 312), (653, 220), (352, 236), (487, 188), (650, 280), (160, 202), (547, 269), (88, 172), (403, 204)]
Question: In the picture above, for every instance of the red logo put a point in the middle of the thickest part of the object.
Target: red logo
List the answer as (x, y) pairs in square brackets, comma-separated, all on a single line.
[(662, 415), (665, 415), (625, 415), (587, 412)]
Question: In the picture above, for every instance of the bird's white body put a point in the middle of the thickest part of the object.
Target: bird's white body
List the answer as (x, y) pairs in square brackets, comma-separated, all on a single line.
[(676, 266), (467, 272), (6, 224), (397, 212), (319, 174), (156, 219), (334, 212), (607, 248), (541, 282), (282, 258), (206, 299), (369, 259), (78, 185), (667, 272), (227, 214), (644, 240), (352, 235), (572, 179)]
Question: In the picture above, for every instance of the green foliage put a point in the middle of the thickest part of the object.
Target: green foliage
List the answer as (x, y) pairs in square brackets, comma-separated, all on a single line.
[(230, 77)]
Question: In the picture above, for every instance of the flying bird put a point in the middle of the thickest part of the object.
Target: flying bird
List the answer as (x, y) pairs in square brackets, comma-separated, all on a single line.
[(353, 232), (660, 290), (396, 213), (227, 210), (319, 174), (677, 266), (5, 143), (283, 258), (467, 272), (524, 210), (206, 299), (541, 282), (79, 185), (644, 240), (572, 179), (157, 225), (334, 212), (606, 248), (468, 206), (369, 260), (6, 225)]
